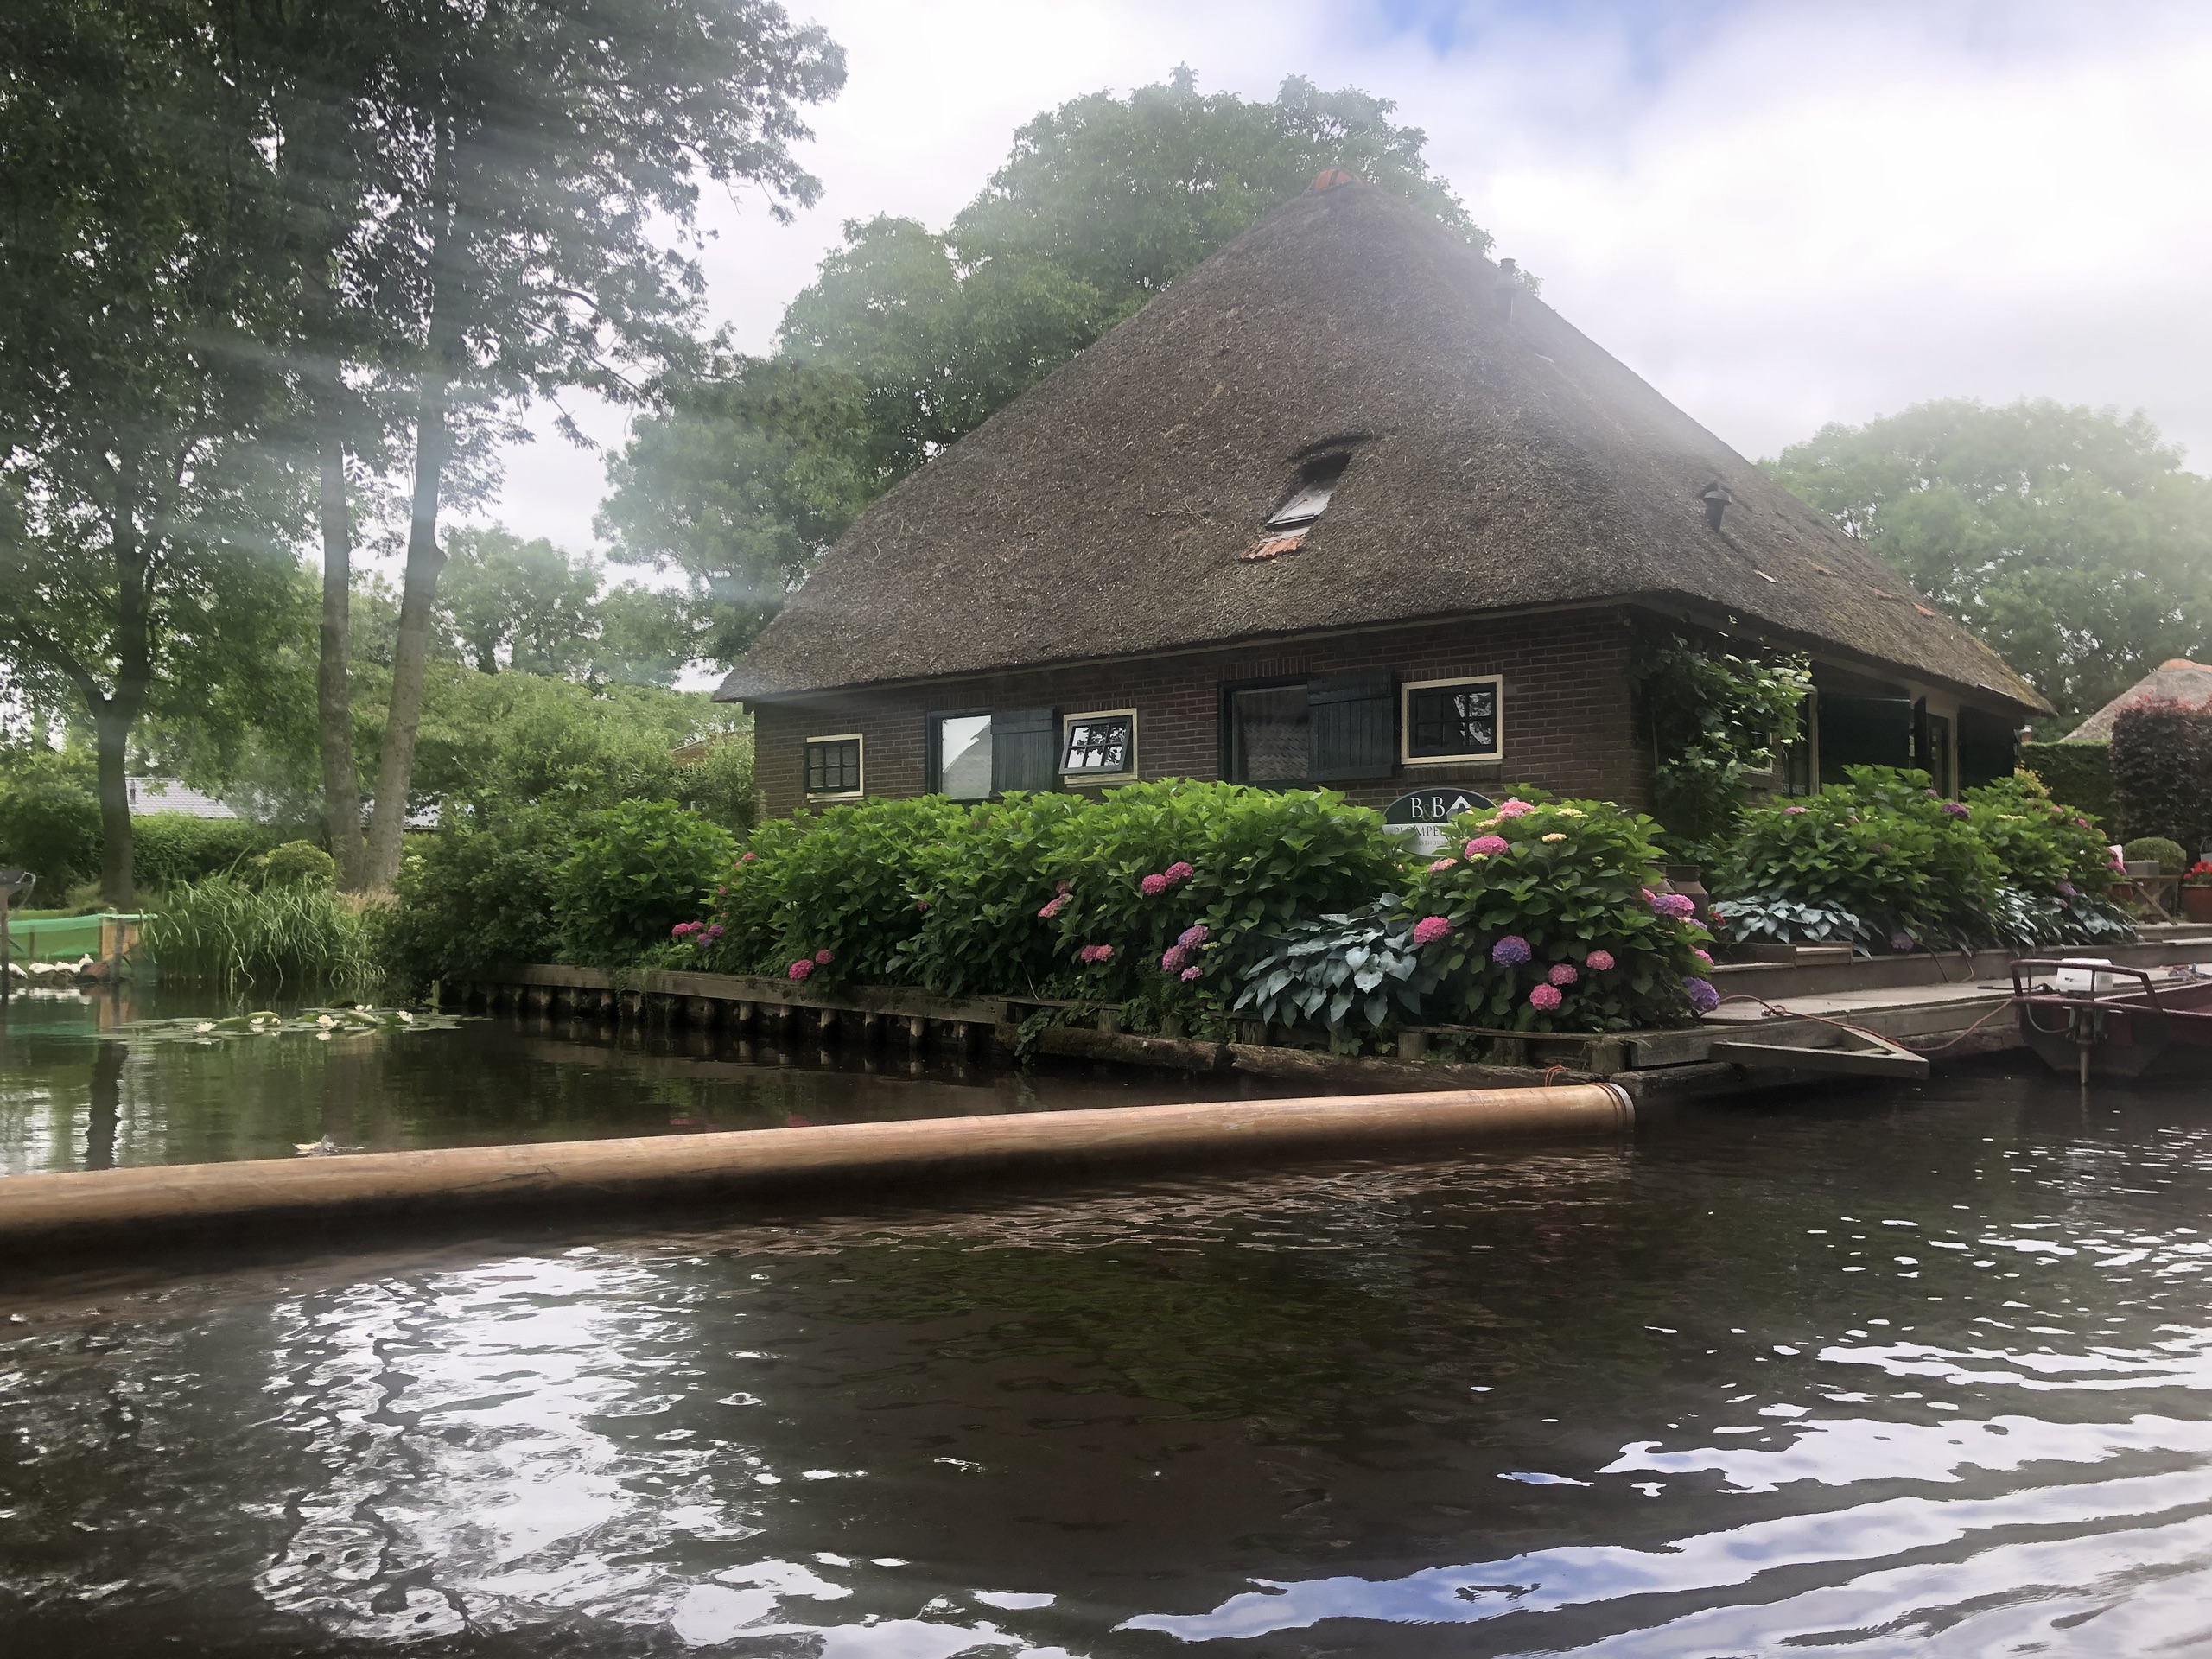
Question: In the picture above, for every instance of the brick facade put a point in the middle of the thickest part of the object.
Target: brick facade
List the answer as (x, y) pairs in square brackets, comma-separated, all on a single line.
[(1567, 721)]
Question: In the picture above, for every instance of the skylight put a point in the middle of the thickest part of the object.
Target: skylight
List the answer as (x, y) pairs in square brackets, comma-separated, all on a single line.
[(1317, 479)]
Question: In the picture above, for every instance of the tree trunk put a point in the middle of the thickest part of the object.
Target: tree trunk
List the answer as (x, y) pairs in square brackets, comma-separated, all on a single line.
[(410, 660), (111, 734), (341, 779)]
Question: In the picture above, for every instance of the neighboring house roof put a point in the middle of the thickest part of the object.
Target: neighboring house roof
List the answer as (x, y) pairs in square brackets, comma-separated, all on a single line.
[(168, 795), (2175, 680), (1497, 462)]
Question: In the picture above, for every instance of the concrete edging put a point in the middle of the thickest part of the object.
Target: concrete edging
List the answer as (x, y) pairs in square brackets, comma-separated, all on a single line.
[(313, 1196)]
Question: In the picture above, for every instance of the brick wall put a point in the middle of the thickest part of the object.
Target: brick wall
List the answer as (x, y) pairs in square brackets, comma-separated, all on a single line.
[(1567, 719)]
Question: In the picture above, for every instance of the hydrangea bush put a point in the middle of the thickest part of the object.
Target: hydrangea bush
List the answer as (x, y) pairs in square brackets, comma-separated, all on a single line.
[(1541, 916)]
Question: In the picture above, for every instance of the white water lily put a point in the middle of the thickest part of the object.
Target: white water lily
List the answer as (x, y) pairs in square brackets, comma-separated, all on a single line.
[(405, 1018), (205, 1026), (325, 1021)]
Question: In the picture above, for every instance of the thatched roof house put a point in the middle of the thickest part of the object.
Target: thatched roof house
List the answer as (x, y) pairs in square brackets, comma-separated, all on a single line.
[(2176, 680), (1345, 452)]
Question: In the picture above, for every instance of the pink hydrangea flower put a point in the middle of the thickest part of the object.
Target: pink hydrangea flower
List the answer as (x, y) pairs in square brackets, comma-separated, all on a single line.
[(1153, 886), (680, 929), (1055, 905), (1563, 973), (748, 858), (1794, 812), (1957, 810), (1649, 897), (801, 967), (1192, 972), (1545, 998), (1510, 951), (1442, 865), (823, 959), (1193, 936), (1174, 959), (1599, 962), (1062, 888), (1178, 871), (1701, 956), (1485, 846), (1515, 807), (1430, 929), (1095, 953)]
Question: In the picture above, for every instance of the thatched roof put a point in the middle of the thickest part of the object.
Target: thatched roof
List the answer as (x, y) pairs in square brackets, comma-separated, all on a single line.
[(1496, 462), (2175, 680)]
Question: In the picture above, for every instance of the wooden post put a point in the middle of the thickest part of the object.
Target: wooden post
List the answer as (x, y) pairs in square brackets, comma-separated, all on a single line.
[(1413, 1045)]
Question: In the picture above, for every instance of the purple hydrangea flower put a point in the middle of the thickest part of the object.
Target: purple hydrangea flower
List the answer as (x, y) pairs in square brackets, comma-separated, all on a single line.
[(2067, 890), (1193, 936), (1510, 951), (1679, 906), (1956, 809), (1703, 997), (1901, 942)]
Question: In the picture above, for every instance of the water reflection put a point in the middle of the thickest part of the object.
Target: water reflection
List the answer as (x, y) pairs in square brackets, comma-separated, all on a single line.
[(1922, 1374)]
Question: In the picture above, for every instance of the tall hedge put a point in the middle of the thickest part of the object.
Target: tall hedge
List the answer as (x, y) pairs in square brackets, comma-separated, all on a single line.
[(2162, 768), (2078, 775), (170, 849)]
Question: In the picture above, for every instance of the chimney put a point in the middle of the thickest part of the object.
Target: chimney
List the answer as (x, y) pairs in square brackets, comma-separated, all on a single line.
[(1509, 279), (1717, 501)]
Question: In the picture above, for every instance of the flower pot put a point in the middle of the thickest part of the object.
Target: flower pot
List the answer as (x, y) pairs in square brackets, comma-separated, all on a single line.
[(2196, 904)]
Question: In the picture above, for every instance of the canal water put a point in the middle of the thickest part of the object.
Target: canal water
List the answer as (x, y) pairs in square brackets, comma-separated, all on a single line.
[(1921, 1370)]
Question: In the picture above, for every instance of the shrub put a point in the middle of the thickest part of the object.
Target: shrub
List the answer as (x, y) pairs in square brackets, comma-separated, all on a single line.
[(2039, 845), (632, 873), (1148, 863), (719, 784), (981, 888), (1716, 717), (296, 862), (850, 885), (1322, 972), (1883, 851), (2173, 858), (173, 849), (2078, 775), (1539, 919), (477, 895), (2162, 768), (222, 932), (50, 821)]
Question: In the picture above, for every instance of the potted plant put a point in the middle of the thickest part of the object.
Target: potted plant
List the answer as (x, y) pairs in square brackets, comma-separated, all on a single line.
[(2196, 891)]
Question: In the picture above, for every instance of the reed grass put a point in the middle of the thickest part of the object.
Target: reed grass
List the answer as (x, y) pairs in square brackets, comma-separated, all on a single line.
[(221, 932)]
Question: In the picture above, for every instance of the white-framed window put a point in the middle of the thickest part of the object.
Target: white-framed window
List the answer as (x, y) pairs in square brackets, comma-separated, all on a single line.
[(833, 767), (1441, 721), (1101, 744)]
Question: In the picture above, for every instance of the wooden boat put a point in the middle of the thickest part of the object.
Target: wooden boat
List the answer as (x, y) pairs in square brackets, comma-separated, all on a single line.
[(2097, 1021)]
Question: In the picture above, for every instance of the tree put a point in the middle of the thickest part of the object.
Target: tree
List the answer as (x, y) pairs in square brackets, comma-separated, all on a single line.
[(908, 338), (535, 150), (2070, 540), (144, 529), (532, 607)]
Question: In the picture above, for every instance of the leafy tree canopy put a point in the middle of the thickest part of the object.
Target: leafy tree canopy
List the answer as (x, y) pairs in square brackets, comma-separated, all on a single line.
[(2070, 539), (537, 607), (910, 338)]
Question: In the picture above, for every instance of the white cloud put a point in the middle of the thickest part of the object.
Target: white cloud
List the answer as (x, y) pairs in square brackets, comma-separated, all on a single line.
[(1781, 214)]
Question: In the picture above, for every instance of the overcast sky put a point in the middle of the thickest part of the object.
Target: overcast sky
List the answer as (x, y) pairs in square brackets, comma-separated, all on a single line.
[(1780, 214)]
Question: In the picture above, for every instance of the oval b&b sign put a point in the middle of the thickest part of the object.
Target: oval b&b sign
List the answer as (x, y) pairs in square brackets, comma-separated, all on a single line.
[(1434, 806)]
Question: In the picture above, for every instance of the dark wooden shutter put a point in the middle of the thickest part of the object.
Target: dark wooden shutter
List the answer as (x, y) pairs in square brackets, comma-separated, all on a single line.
[(1025, 749), (1988, 750), (1863, 731), (1352, 730)]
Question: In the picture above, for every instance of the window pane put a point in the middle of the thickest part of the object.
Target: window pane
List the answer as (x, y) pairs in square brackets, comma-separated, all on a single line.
[(833, 768), (1267, 735), (963, 747), (1453, 719), (1100, 744)]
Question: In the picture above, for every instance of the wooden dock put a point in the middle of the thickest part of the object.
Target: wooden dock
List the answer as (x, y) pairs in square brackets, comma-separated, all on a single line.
[(1900, 1011)]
